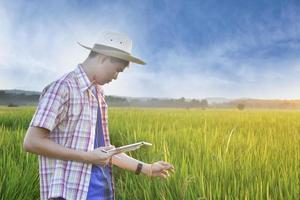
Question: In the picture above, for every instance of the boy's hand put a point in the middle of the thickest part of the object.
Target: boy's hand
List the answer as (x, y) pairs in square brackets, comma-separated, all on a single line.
[(160, 169), (99, 157)]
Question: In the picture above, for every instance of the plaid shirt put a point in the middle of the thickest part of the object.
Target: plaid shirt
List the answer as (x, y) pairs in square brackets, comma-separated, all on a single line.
[(68, 108)]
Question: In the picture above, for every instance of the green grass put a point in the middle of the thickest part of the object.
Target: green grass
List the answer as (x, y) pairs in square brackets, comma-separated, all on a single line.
[(217, 154)]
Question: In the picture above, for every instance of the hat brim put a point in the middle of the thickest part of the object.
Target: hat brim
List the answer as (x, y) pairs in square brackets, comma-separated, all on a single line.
[(110, 51)]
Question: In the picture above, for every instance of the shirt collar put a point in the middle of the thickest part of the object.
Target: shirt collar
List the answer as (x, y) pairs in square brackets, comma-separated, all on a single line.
[(84, 82)]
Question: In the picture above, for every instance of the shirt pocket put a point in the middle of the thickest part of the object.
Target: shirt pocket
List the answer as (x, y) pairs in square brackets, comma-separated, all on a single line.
[(76, 107)]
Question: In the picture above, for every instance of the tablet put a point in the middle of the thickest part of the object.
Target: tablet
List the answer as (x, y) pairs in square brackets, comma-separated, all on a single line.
[(126, 148)]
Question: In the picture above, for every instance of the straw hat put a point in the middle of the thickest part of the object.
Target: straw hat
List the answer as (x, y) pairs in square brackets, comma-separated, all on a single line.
[(116, 45)]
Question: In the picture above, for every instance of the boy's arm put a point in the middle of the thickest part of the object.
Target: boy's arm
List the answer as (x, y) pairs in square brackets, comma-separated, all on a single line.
[(124, 161), (37, 141), (159, 168)]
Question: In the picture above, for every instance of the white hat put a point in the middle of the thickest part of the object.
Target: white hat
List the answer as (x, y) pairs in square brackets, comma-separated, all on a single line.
[(116, 45)]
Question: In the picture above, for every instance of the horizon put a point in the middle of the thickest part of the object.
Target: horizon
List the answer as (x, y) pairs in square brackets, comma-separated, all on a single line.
[(209, 97), (253, 52)]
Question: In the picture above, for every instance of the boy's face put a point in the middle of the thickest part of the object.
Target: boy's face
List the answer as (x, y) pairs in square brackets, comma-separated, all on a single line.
[(109, 68)]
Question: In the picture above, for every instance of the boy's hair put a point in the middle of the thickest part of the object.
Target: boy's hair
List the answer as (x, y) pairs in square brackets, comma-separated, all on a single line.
[(93, 54), (112, 59)]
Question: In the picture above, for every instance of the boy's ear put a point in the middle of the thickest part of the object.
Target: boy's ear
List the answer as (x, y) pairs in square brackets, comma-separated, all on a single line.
[(102, 58)]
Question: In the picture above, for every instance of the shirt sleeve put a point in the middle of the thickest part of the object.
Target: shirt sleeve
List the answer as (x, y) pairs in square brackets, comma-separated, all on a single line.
[(52, 106)]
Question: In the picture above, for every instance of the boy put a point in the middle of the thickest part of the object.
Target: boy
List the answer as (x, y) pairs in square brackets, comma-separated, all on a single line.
[(69, 129)]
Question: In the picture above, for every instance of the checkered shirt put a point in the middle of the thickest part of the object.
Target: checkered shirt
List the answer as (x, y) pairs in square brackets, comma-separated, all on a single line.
[(68, 109)]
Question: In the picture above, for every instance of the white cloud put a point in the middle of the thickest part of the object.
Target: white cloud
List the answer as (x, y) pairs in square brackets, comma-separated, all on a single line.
[(34, 54), (196, 75), (47, 48)]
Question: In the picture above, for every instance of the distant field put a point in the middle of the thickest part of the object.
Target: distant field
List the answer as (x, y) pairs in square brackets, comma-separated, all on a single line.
[(217, 154)]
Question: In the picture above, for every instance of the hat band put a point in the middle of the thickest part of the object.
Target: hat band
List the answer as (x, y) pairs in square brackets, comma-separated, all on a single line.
[(104, 47)]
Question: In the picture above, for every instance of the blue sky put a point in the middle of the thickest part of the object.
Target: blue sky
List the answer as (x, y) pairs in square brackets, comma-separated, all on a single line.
[(193, 49)]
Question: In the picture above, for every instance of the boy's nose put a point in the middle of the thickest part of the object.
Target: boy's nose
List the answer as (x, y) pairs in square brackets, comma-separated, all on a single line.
[(116, 76)]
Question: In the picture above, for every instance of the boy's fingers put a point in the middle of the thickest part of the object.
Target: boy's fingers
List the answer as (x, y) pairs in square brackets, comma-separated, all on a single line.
[(170, 167), (163, 176), (109, 147), (166, 164), (165, 173)]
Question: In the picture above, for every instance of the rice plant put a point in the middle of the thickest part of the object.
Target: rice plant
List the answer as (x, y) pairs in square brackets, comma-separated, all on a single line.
[(217, 154)]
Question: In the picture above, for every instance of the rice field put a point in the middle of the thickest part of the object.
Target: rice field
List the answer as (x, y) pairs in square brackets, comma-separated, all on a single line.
[(217, 154)]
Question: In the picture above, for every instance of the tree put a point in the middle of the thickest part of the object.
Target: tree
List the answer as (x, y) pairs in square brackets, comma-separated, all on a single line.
[(194, 103), (12, 105), (203, 103), (241, 106)]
